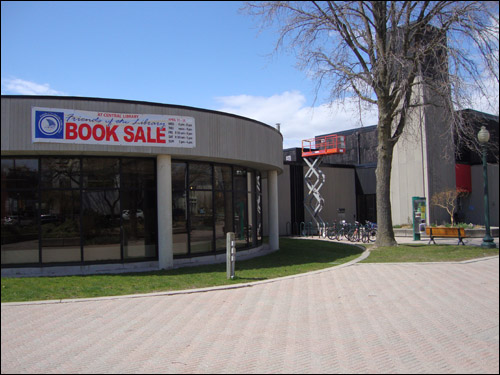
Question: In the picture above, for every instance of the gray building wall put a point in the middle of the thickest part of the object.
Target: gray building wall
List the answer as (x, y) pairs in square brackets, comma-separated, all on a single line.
[(423, 161), (338, 192), (220, 137)]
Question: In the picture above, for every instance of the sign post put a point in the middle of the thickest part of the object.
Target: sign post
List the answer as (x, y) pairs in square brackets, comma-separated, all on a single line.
[(230, 255)]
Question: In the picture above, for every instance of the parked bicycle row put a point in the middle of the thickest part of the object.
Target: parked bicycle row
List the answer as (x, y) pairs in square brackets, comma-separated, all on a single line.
[(342, 230)]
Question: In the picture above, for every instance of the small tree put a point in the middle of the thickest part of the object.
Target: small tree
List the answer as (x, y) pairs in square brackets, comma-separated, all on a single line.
[(448, 199)]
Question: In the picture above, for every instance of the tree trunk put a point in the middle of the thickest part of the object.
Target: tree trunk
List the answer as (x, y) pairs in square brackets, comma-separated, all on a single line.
[(385, 148)]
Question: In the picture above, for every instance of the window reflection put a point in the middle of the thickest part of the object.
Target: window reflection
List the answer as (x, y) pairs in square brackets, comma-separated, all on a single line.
[(101, 225), (138, 173), (200, 176), (178, 176), (223, 217), (60, 226), (179, 223), (60, 173), (20, 173), (234, 208), (19, 227), (112, 214), (240, 179), (114, 218), (240, 219), (201, 214), (179, 209), (139, 224), (223, 180), (101, 173)]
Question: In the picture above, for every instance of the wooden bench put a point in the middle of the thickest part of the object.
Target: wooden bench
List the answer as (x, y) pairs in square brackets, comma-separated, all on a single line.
[(446, 233)]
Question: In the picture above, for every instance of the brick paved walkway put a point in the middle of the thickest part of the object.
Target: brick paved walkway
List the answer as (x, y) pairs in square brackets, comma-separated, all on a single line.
[(365, 318)]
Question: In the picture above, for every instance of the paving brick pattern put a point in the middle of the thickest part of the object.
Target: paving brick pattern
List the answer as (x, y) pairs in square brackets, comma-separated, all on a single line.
[(365, 318)]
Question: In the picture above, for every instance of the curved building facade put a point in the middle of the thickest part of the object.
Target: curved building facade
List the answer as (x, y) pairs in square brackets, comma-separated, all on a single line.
[(94, 184)]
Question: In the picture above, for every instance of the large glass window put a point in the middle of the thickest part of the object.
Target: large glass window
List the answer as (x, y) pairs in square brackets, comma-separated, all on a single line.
[(67, 210), (90, 209), (210, 200)]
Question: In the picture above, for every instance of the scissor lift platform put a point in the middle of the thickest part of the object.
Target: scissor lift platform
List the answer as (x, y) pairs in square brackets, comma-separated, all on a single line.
[(324, 145), (313, 151)]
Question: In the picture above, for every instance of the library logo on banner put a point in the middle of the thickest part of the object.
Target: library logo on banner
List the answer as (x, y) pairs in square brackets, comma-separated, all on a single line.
[(49, 125)]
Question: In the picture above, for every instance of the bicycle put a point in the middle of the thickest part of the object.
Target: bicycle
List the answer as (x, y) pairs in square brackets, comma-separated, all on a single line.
[(343, 231), (354, 234), (372, 231), (331, 232)]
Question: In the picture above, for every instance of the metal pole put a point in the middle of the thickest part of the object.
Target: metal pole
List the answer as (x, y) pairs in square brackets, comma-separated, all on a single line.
[(487, 240), (230, 255)]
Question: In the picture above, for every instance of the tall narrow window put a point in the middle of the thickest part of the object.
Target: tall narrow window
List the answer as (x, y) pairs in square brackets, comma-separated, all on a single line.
[(20, 211), (179, 209)]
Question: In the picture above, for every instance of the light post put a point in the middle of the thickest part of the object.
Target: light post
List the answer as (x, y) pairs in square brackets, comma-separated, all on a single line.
[(484, 136)]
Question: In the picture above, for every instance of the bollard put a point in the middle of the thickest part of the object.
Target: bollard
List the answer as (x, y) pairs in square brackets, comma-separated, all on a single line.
[(230, 255)]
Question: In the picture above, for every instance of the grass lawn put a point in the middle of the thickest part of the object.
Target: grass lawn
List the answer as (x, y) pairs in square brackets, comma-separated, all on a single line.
[(427, 253), (294, 257)]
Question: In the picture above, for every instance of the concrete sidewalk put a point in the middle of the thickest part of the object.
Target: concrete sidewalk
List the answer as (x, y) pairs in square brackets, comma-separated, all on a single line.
[(363, 318)]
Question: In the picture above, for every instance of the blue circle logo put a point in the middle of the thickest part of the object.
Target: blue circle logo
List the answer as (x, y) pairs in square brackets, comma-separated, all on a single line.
[(49, 124)]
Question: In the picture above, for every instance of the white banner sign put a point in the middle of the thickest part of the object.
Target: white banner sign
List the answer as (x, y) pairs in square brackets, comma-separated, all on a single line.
[(105, 128)]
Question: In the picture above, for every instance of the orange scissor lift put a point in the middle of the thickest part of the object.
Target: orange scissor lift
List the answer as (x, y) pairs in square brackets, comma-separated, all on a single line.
[(313, 151)]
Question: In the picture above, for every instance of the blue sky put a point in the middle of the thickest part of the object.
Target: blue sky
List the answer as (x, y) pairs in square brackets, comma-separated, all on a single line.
[(203, 54)]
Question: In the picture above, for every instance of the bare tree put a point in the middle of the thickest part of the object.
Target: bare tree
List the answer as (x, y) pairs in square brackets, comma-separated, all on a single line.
[(448, 199), (379, 51)]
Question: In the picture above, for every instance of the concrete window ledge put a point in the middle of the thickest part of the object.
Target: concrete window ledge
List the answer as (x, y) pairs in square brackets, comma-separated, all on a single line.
[(92, 269), (130, 267)]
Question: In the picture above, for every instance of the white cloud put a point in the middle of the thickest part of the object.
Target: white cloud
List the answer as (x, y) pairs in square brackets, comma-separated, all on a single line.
[(17, 86), (489, 101), (297, 120)]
